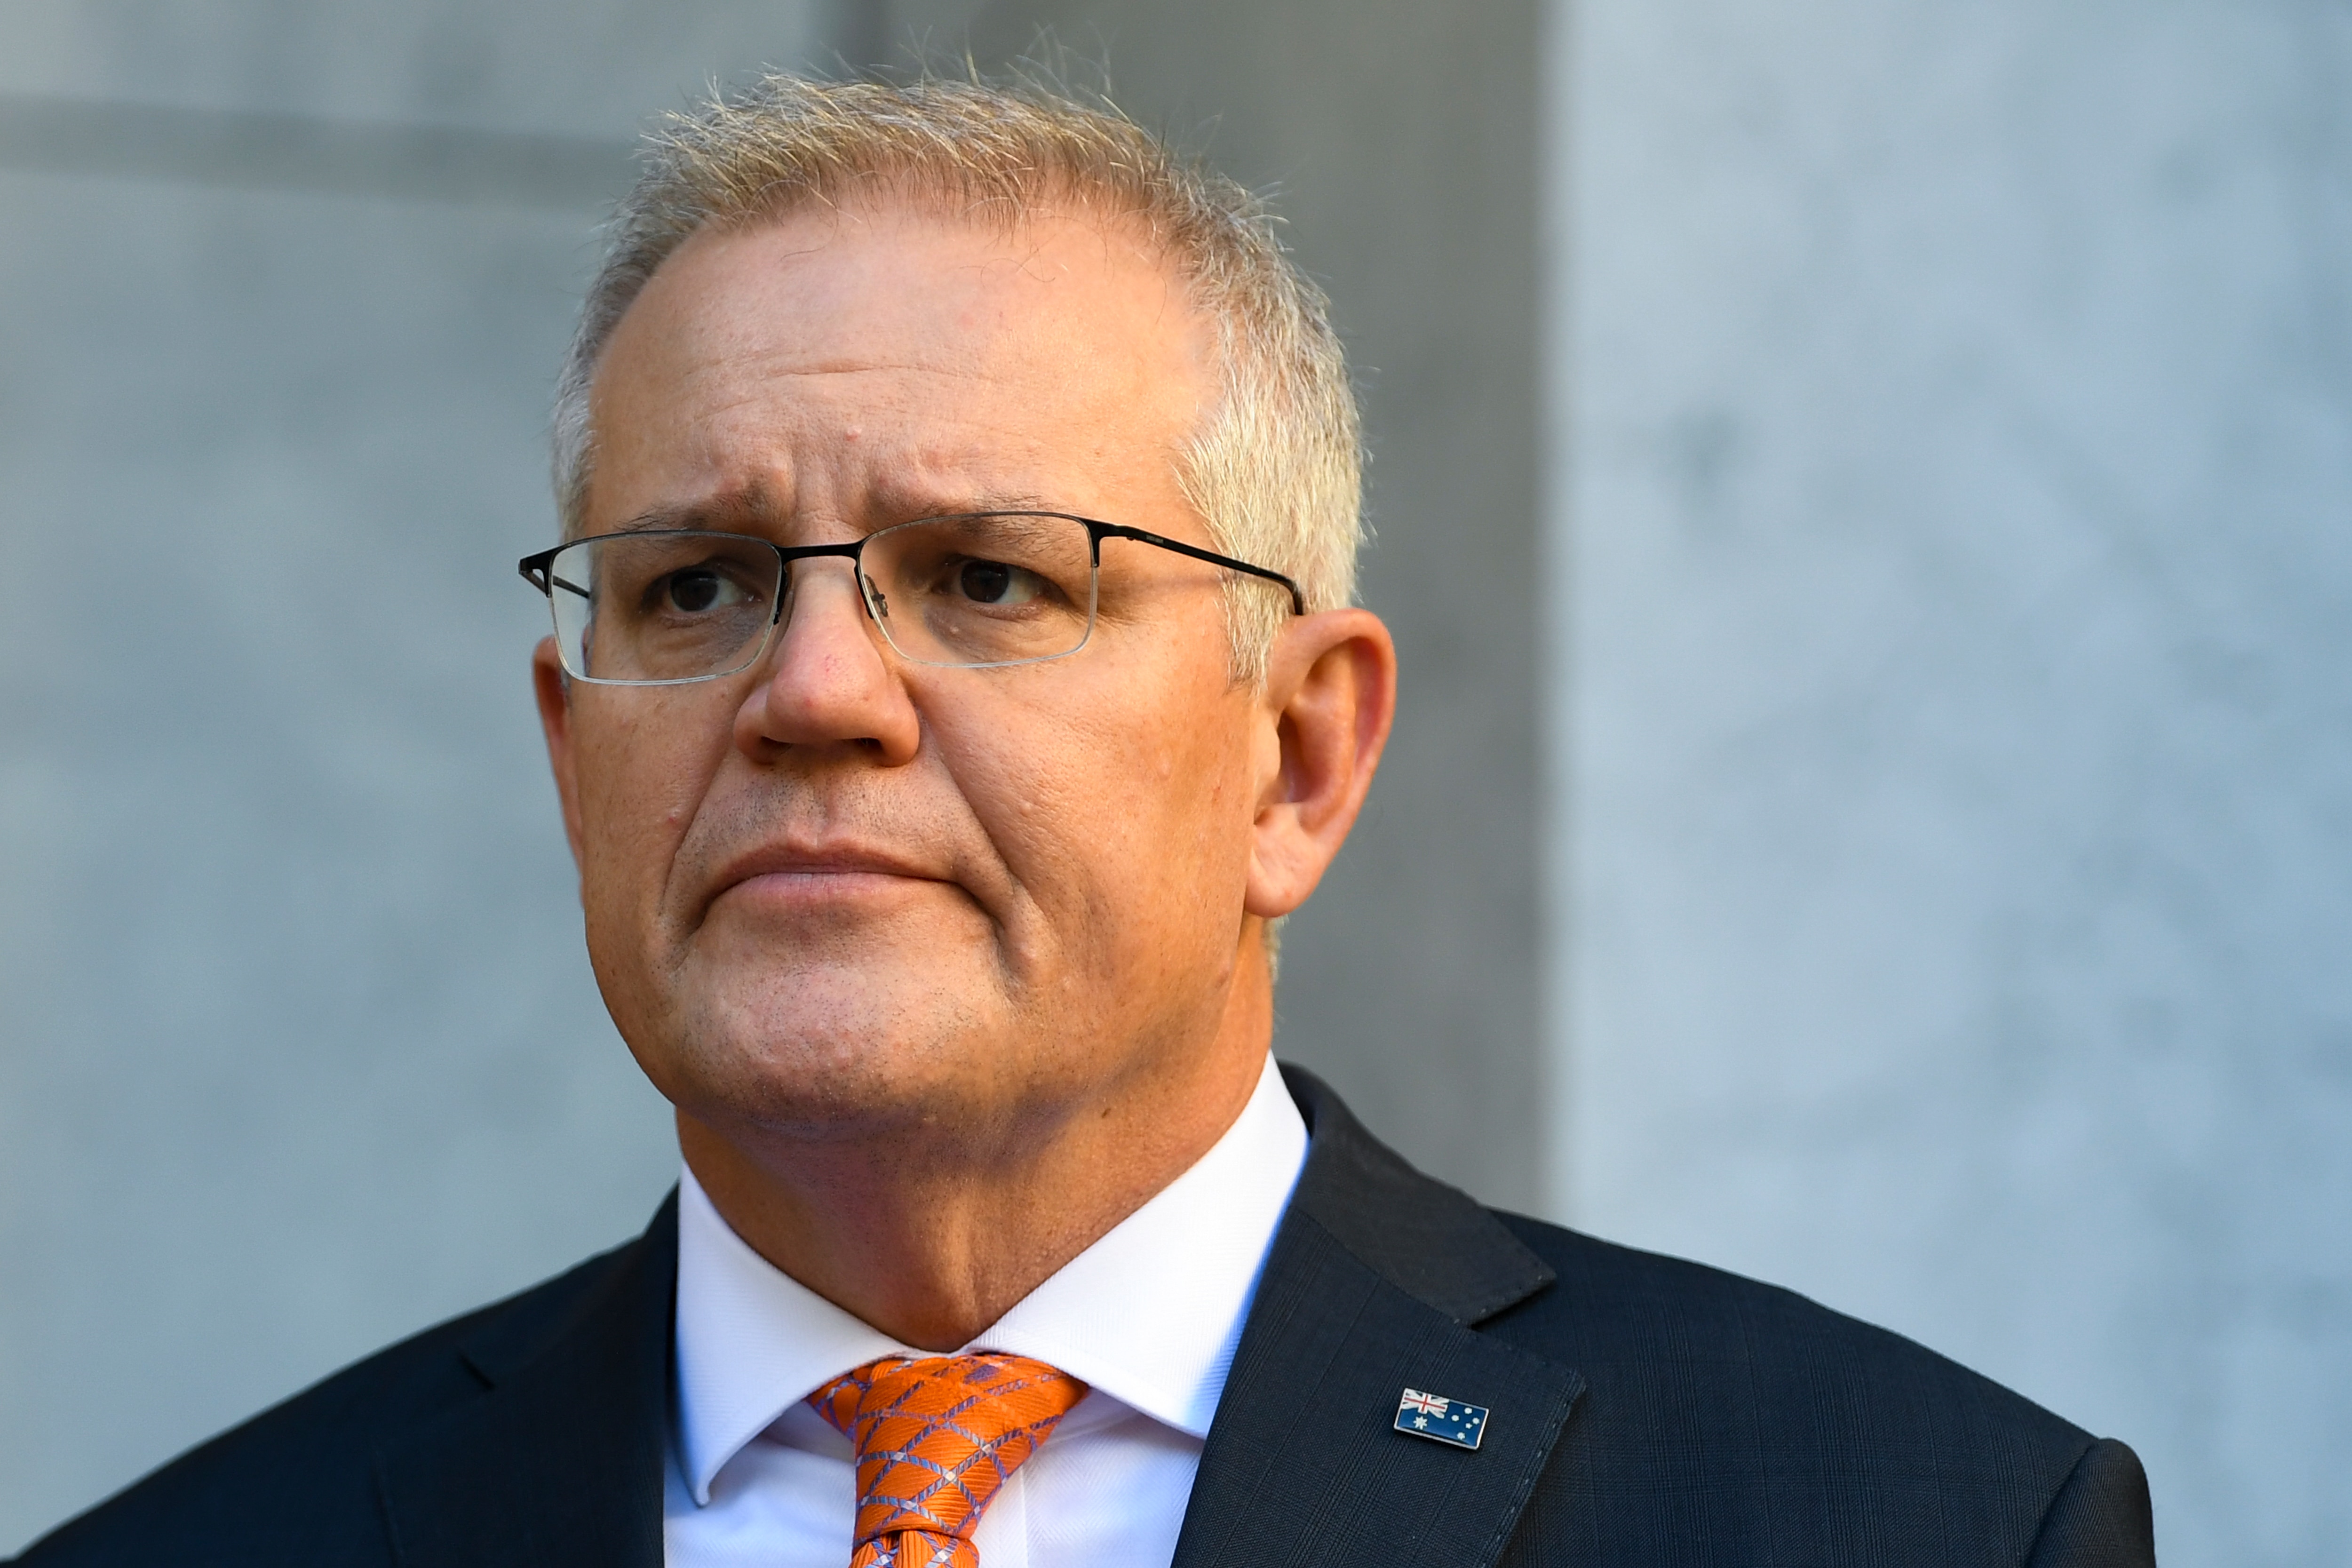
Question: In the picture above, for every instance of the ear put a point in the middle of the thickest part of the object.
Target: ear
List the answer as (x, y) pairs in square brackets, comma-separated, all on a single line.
[(1329, 697), (555, 719)]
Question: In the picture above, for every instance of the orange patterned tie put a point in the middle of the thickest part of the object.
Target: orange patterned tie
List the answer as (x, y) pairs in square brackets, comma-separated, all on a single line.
[(936, 1438)]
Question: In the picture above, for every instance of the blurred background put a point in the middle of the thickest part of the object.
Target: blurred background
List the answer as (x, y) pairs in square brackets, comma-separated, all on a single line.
[(1862, 493)]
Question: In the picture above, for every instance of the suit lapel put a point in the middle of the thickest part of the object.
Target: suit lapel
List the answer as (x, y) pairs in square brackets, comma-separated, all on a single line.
[(1372, 1285), (561, 1458)]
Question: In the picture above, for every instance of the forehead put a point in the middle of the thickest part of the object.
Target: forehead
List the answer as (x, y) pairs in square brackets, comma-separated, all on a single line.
[(828, 359)]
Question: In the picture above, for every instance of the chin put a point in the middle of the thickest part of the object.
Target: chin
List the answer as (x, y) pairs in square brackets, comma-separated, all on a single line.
[(837, 1049)]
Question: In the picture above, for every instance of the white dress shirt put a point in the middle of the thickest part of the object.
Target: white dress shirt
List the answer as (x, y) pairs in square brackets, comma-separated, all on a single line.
[(1147, 1316)]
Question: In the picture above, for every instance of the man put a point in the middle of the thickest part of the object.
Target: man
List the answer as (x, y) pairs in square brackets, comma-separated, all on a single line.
[(955, 681)]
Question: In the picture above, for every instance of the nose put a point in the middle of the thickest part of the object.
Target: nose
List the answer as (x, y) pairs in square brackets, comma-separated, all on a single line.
[(829, 684)]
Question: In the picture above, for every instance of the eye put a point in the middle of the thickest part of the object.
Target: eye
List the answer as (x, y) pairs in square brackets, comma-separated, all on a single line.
[(996, 582), (697, 590)]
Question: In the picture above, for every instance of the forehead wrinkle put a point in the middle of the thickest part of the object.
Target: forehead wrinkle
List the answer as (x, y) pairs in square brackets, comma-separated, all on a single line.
[(762, 359), (972, 458), (724, 389)]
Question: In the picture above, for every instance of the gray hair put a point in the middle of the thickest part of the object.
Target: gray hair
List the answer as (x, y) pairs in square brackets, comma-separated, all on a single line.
[(1275, 469)]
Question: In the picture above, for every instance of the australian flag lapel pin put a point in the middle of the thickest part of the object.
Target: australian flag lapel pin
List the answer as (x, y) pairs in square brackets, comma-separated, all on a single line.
[(1441, 1419)]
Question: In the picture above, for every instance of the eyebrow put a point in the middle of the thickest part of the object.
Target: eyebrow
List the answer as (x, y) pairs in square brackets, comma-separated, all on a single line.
[(724, 513), (748, 511), (905, 504)]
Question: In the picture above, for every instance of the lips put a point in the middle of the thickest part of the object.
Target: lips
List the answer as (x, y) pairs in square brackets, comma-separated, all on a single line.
[(817, 864)]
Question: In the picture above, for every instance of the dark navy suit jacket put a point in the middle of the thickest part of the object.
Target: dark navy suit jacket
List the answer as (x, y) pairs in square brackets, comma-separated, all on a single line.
[(1643, 1412)]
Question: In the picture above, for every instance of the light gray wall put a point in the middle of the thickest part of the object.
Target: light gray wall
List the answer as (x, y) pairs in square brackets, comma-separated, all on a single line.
[(1957, 706), (299, 1050), (1401, 140)]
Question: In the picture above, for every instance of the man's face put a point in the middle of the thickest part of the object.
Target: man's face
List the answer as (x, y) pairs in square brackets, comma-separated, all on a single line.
[(841, 891)]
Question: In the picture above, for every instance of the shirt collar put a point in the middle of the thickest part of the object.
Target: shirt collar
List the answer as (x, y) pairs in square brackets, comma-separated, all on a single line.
[(1149, 1314)]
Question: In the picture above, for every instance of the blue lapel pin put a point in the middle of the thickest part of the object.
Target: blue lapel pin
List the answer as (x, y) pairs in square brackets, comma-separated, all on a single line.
[(1440, 1419)]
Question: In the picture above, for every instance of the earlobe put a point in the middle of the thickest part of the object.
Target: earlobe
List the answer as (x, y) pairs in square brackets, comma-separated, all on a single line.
[(1331, 696), (555, 695)]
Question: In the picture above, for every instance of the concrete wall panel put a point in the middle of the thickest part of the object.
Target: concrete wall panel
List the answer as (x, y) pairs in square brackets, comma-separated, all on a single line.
[(1958, 429)]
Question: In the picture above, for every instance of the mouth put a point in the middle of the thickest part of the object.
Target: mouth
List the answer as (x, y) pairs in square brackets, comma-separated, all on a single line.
[(796, 876)]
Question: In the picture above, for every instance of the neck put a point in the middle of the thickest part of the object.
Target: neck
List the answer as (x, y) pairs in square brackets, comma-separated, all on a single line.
[(933, 1252)]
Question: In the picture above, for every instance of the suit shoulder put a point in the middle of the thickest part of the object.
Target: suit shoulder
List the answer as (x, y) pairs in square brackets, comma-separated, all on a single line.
[(295, 1483), (1722, 1409), (1614, 1308)]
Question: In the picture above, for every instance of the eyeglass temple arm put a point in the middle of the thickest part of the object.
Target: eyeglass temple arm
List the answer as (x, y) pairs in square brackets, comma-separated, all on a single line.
[(538, 571), (1113, 531)]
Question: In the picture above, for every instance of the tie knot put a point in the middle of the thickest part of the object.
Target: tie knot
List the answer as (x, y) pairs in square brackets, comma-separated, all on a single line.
[(936, 1438)]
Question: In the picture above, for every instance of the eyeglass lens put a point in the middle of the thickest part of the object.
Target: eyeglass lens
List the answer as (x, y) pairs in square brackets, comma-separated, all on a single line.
[(672, 606)]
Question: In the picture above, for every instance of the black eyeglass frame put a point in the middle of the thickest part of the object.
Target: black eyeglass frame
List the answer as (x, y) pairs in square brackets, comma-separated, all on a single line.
[(538, 569)]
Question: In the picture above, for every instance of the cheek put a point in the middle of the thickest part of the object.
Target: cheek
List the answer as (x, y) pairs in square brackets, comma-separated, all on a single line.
[(1125, 829), (637, 798), (1178, 868)]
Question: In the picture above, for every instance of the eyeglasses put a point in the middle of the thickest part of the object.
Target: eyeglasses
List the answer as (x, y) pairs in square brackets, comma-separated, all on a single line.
[(664, 607)]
